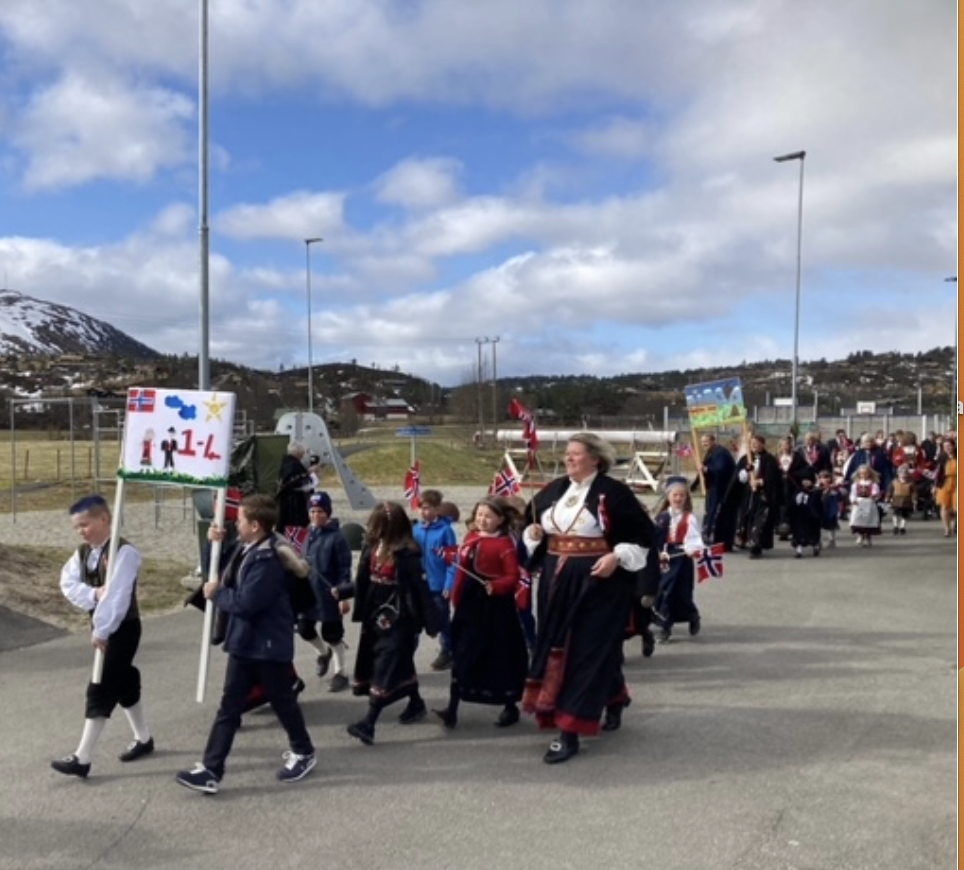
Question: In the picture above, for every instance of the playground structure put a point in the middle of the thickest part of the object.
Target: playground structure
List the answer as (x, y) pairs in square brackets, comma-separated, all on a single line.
[(643, 457)]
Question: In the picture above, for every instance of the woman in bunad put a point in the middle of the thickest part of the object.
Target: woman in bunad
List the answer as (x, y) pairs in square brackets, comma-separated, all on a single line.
[(786, 453), (489, 653), (588, 536), (678, 540), (946, 481), (393, 604), (865, 493), (759, 475)]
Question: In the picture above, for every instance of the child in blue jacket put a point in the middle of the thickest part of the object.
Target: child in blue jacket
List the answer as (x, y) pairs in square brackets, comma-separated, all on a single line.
[(434, 534)]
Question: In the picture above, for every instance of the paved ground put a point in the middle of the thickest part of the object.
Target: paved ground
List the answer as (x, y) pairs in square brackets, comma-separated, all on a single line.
[(811, 726)]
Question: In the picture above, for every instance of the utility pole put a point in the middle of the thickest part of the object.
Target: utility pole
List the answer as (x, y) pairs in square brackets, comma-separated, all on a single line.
[(495, 396)]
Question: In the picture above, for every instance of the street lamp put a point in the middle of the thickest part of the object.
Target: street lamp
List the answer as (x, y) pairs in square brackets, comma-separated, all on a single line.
[(311, 382), (953, 279), (784, 158)]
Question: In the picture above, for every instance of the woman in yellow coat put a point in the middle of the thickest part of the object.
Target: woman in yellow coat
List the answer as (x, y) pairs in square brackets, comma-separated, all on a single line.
[(947, 487)]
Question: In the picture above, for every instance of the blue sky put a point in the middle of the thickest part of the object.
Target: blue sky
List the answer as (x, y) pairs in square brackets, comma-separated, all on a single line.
[(592, 182)]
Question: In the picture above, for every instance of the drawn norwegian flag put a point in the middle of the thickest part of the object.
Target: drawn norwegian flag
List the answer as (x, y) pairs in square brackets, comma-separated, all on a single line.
[(141, 400), (298, 535), (413, 485), (505, 483), (709, 563)]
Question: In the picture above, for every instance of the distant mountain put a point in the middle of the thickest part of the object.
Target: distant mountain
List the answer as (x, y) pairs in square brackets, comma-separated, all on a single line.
[(32, 326)]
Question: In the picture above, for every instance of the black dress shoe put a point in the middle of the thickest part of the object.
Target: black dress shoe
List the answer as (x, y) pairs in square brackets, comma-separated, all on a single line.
[(362, 731), (613, 718), (70, 766), (415, 711), (509, 716), (561, 750), (695, 626), (448, 717), (649, 643), (137, 750)]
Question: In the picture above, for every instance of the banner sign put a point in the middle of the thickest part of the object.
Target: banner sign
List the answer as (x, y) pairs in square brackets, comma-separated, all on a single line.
[(715, 403), (178, 437)]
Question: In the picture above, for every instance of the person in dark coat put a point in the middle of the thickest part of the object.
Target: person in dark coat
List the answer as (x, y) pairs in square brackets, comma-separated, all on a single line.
[(254, 592), (393, 604), (588, 535), (760, 482), (294, 486), (718, 469)]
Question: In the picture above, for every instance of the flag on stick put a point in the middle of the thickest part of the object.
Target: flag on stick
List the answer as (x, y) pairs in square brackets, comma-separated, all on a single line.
[(709, 563), (518, 411), (298, 536), (505, 483), (413, 485)]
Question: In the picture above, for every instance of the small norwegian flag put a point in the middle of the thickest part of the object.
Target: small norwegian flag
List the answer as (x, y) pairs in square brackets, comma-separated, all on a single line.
[(298, 536), (603, 514), (413, 485), (523, 592), (520, 412), (232, 501), (449, 555), (709, 563), (505, 483)]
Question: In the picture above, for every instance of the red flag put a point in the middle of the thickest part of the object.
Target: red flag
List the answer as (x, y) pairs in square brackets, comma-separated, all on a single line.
[(449, 555), (709, 563), (298, 536), (603, 514), (505, 483), (519, 411), (232, 501), (413, 486)]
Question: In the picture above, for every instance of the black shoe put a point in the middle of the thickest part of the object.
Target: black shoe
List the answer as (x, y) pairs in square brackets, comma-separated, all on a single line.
[(508, 716), (137, 750), (298, 686), (695, 626), (70, 766), (322, 663), (561, 749), (362, 731), (338, 683), (649, 643), (903, 530), (449, 718), (415, 711)]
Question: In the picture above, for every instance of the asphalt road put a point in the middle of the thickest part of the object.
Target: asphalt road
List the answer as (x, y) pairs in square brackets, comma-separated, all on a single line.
[(811, 726)]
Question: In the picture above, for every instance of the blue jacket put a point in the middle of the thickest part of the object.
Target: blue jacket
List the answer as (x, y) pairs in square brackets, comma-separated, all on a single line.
[(329, 556), (441, 575), (256, 598)]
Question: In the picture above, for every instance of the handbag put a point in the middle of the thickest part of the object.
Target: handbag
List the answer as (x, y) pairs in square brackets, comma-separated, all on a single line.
[(386, 616)]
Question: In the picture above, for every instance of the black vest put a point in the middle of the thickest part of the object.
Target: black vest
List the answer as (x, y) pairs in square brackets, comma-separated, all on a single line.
[(98, 576)]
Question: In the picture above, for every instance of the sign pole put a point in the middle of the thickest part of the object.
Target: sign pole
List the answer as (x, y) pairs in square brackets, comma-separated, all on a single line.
[(98, 672), (214, 563)]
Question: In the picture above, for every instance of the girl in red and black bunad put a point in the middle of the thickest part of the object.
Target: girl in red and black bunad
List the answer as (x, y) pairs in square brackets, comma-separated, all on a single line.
[(678, 540), (393, 604), (489, 653)]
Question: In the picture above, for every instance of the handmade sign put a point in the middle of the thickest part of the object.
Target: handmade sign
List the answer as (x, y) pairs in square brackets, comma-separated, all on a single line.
[(715, 403), (180, 437)]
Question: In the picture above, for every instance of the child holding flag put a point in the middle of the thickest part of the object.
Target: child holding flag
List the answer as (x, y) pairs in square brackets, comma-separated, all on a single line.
[(678, 541)]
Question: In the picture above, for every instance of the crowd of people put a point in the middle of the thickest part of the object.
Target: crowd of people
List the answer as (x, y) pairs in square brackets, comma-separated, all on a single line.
[(802, 493), (602, 567)]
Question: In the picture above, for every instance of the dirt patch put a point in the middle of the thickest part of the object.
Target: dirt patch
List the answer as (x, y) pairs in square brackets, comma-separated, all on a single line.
[(30, 584)]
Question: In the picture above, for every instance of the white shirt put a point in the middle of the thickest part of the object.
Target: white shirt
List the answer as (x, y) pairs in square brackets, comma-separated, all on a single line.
[(111, 610), (568, 517)]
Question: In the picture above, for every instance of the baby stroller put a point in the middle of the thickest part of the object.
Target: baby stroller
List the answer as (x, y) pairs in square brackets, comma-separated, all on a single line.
[(924, 493)]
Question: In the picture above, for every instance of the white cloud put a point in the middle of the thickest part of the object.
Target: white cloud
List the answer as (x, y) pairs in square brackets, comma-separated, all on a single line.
[(419, 184), (298, 215)]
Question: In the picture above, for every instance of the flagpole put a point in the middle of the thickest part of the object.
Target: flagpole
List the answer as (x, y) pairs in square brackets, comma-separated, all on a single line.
[(98, 670), (204, 664)]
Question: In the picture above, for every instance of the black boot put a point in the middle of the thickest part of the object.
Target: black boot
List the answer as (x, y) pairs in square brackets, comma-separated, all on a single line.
[(614, 715), (508, 716)]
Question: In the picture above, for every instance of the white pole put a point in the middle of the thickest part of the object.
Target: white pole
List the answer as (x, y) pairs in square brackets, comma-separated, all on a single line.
[(213, 573), (115, 525)]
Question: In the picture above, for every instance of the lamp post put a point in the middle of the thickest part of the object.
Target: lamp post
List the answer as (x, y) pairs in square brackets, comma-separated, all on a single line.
[(204, 256), (495, 396), (311, 362), (784, 158), (953, 279)]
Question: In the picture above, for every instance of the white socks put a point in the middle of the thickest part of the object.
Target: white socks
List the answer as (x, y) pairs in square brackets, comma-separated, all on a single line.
[(338, 651), (93, 728), (135, 715)]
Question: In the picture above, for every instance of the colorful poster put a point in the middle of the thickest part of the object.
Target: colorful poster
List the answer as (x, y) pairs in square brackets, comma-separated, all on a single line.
[(178, 437), (715, 403)]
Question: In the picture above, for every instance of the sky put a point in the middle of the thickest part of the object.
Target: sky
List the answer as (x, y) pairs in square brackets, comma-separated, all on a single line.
[(569, 187)]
